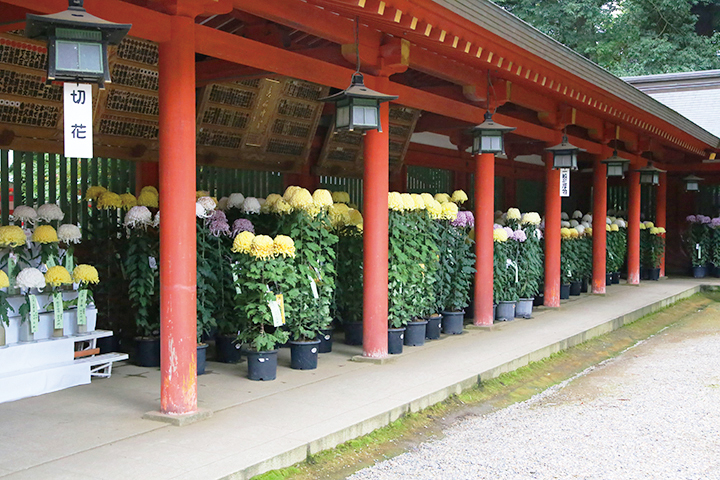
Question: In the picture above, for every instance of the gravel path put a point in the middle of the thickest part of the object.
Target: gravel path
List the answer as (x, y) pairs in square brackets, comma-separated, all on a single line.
[(651, 413)]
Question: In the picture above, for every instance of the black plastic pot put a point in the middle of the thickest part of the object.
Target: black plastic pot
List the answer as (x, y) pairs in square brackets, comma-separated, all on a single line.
[(584, 285), (415, 333), (654, 274), (564, 291), (608, 279), (304, 355), (523, 308), (539, 300), (201, 357), (353, 333), (147, 351), (262, 365), (432, 329), (575, 288), (452, 322), (326, 339), (227, 350), (716, 274), (395, 340), (615, 278), (505, 311), (699, 272)]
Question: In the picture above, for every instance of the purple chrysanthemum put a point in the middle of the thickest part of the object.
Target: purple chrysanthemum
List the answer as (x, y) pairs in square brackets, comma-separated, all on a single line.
[(715, 222), (510, 232), (464, 219), (218, 224), (691, 218), (242, 225), (704, 219), (519, 236), (496, 226)]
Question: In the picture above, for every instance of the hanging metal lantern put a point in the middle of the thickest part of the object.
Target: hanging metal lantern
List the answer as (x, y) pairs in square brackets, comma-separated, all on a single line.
[(565, 154), (488, 136), (616, 166), (650, 175), (358, 107), (692, 183), (77, 43)]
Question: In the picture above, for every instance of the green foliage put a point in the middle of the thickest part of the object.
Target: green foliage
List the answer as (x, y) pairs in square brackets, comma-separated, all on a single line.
[(258, 282), (427, 258), (698, 243), (631, 37), (584, 260), (143, 284), (716, 247), (209, 287), (616, 250), (403, 275), (5, 308), (349, 284), (505, 288), (570, 270), (315, 263)]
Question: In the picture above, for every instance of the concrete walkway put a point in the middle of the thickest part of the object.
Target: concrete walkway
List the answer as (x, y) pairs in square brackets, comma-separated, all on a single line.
[(96, 431)]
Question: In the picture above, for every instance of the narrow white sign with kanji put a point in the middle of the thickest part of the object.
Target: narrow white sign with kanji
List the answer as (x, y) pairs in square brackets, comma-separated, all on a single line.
[(564, 182), (77, 103)]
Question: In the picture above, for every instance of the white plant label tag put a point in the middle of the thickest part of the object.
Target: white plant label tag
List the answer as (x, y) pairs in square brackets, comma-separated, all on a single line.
[(152, 262), (275, 311), (34, 313), (82, 307), (58, 310), (313, 287)]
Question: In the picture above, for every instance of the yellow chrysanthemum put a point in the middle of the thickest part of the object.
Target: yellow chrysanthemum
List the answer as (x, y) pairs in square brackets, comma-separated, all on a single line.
[(201, 193), (85, 274), (109, 200), (4, 280), (449, 211), (151, 189), (588, 231), (243, 242), (359, 227), (459, 196), (92, 193), (574, 233), (642, 226), (435, 209), (607, 228), (531, 218), (128, 201), (661, 229), (442, 197), (301, 200), (322, 198), (513, 214), (45, 234), (272, 199), (614, 227), (281, 206), (57, 275), (284, 245), (565, 232), (147, 199), (419, 202), (12, 236), (499, 235), (339, 214), (313, 209), (290, 191), (356, 217), (649, 225), (341, 197), (408, 202), (427, 198), (654, 231), (395, 202), (262, 247)]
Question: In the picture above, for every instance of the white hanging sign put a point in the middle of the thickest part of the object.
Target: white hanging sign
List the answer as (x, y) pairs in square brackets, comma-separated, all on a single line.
[(564, 182), (77, 105)]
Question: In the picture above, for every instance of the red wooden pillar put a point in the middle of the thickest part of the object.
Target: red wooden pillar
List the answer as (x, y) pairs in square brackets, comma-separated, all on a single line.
[(633, 257), (375, 236), (178, 343), (484, 213), (146, 173), (598, 226), (661, 213), (553, 209)]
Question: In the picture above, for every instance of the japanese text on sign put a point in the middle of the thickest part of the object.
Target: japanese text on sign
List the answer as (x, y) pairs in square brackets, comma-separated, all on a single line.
[(78, 131), (564, 182)]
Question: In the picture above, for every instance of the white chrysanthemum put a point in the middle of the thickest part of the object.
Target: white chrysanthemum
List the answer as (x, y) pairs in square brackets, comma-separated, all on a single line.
[(607, 220), (223, 203), (156, 220), (564, 224), (207, 203), (251, 205), (620, 223), (200, 211), (50, 212), (580, 229), (586, 224), (261, 201), (30, 278), (532, 218), (587, 218), (69, 233), (235, 200), (612, 219), (574, 223), (577, 214), (25, 214), (138, 216), (564, 216)]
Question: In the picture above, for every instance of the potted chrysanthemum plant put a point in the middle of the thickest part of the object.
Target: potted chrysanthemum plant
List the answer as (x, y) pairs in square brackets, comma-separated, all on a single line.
[(263, 273), (5, 307), (140, 261), (656, 251), (57, 277), (506, 272), (69, 236), (404, 274), (697, 243), (15, 253), (46, 237), (30, 281), (530, 263), (85, 276)]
